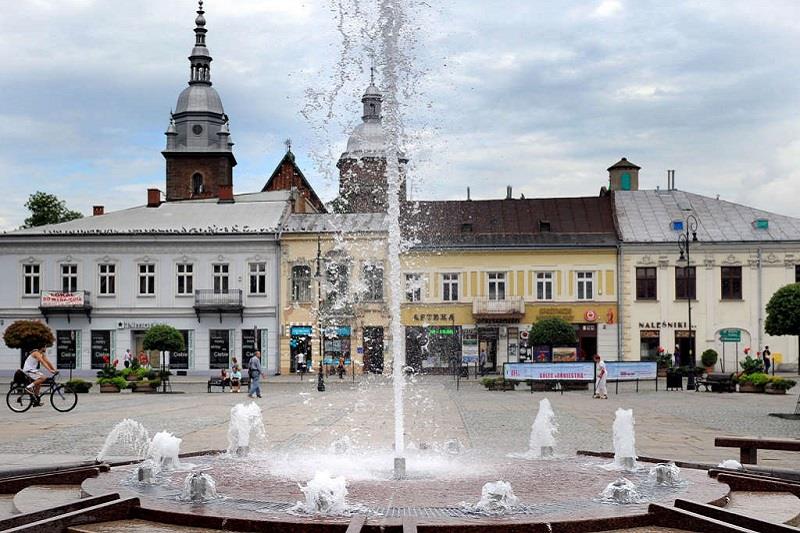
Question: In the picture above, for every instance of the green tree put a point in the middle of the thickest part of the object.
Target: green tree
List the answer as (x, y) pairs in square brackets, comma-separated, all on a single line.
[(552, 332), (783, 312), (48, 209), (163, 338), (28, 335)]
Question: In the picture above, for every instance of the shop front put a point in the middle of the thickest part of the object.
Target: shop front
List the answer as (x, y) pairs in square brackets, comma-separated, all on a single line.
[(433, 349), (300, 345), (336, 348)]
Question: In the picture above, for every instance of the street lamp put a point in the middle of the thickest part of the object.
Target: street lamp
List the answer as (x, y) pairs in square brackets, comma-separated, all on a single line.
[(319, 277), (684, 245)]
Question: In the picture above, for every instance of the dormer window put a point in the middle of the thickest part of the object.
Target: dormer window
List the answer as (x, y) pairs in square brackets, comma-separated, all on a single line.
[(677, 225), (466, 227), (197, 184), (761, 223), (544, 226)]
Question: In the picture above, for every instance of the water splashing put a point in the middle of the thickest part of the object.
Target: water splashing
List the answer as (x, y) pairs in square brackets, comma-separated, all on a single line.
[(129, 436), (666, 474), (496, 498), (543, 440), (325, 495), (246, 426), (624, 440), (164, 450), (199, 487), (621, 491)]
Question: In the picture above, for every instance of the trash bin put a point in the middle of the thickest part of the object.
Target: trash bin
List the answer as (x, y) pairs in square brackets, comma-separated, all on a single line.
[(674, 381)]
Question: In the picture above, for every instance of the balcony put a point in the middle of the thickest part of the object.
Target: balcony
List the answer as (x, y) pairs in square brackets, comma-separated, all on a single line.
[(510, 309), (65, 303), (211, 301)]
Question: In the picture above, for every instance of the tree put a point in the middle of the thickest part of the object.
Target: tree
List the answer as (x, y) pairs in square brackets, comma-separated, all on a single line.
[(552, 332), (48, 209), (28, 335), (163, 338), (783, 312)]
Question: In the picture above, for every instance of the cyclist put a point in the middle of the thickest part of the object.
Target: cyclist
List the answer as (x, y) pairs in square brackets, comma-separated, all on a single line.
[(30, 368)]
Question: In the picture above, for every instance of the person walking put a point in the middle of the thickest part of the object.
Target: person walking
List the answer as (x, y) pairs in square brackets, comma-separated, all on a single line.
[(600, 390), (482, 362), (254, 369), (767, 355), (127, 358)]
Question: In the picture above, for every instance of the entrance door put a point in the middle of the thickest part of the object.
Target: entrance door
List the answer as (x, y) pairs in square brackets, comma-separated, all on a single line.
[(137, 341), (682, 339), (487, 343), (587, 341), (373, 349)]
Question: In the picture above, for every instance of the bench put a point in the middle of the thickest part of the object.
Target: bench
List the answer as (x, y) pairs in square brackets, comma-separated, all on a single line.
[(226, 382), (715, 382), (749, 446)]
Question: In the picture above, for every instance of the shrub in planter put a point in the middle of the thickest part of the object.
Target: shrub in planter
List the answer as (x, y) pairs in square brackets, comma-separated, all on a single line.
[(79, 385), (487, 382), (709, 358), (753, 382), (780, 384), (154, 383), (118, 381), (751, 366)]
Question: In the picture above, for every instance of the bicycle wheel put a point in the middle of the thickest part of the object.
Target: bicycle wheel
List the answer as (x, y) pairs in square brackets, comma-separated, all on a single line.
[(19, 399), (63, 398)]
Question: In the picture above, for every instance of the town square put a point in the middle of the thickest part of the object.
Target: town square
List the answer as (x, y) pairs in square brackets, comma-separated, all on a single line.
[(438, 276)]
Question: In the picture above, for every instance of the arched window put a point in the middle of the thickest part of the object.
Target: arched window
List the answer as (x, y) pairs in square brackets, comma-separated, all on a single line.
[(197, 184)]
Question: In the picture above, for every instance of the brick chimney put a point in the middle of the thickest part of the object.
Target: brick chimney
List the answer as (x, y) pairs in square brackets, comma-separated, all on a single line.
[(98, 210), (153, 198), (225, 194)]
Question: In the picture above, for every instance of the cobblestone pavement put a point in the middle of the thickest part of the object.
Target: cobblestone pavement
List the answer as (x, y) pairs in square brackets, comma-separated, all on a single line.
[(677, 425)]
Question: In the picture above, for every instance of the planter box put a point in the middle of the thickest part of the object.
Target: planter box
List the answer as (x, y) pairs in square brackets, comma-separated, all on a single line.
[(662, 372), (109, 388), (774, 391), (749, 387)]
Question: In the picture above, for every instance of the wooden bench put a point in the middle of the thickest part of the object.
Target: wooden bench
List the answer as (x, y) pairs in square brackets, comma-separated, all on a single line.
[(749, 446), (715, 382)]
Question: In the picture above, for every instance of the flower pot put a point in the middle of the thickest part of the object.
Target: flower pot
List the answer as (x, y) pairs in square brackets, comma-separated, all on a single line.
[(109, 387), (662, 372), (749, 387), (769, 390)]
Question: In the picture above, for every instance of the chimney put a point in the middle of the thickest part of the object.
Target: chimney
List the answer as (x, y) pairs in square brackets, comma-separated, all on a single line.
[(225, 193), (98, 210), (468, 196), (670, 180), (508, 192), (153, 198)]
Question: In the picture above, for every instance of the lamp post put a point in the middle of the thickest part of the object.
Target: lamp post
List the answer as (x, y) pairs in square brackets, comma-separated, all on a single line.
[(684, 245), (319, 277)]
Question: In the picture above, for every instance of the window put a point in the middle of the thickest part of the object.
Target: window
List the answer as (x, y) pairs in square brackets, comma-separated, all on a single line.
[(373, 282), (685, 283), (258, 278), (413, 287), (69, 278), (646, 283), (497, 285), (585, 285), (220, 278), (32, 279), (649, 341), (108, 279), (147, 279), (544, 285), (450, 287), (732, 283), (301, 283), (185, 278), (338, 274)]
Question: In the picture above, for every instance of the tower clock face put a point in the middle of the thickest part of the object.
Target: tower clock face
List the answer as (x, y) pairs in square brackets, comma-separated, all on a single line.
[(197, 129)]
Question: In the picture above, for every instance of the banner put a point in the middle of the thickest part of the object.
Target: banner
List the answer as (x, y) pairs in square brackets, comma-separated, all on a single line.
[(61, 299), (219, 348), (549, 371), (631, 371)]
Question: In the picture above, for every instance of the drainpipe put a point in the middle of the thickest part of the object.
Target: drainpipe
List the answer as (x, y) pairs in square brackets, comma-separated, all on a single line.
[(759, 297), (620, 348)]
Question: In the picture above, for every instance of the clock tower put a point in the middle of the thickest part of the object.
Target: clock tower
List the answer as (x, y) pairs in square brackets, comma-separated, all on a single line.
[(199, 152)]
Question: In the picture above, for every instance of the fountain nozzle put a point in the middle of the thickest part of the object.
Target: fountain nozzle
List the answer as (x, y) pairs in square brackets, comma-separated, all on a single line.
[(399, 468)]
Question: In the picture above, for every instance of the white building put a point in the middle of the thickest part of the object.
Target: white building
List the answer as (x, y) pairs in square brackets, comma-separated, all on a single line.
[(206, 267), (741, 257)]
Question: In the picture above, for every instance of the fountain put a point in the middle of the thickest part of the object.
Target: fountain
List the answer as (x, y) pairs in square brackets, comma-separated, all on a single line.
[(621, 491), (163, 451), (128, 435), (146, 472), (198, 487), (543, 441), (624, 440), (246, 424), (496, 498), (325, 495), (666, 474)]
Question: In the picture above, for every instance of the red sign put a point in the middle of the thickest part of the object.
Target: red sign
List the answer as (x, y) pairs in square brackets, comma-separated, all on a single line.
[(590, 315), (61, 299)]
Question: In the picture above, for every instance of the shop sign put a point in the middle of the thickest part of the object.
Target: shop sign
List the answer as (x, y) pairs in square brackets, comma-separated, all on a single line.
[(649, 334), (549, 371), (434, 317), (631, 371), (337, 331), (662, 325), (66, 348), (137, 325), (101, 347), (445, 331), (219, 348), (300, 331), (590, 315), (564, 313), (180, 360), (61, 299)]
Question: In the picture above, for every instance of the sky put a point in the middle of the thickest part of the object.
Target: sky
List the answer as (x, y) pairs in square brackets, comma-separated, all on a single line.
[(539, 95)]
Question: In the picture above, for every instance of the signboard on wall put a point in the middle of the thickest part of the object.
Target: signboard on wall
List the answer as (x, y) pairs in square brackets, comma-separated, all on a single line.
[(180, 360), (67, 348), (565, 354), (549, 371), (219, 348), (101, 347), (61, 299)]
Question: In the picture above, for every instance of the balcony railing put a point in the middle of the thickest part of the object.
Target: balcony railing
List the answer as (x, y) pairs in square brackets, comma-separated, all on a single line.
[(68, 303), (211, 301), (508, 308)]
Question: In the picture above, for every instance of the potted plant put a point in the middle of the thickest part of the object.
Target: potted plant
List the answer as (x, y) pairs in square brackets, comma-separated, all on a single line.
[(751, 365), (663, 362), (754, 382), (79, 385), (709, 359), (777, 385), (109, 378)]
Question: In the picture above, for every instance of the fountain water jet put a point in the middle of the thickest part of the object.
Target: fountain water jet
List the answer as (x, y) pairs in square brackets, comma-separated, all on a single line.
[(199, 487), (324, 495), (624, 439), (666, 474), (164, 450), (542, 440), (622, 491), (496, 498), (246, 424), (130, 434)]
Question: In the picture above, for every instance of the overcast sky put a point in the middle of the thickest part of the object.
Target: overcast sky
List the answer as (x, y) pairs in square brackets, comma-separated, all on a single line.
[(540, 95)]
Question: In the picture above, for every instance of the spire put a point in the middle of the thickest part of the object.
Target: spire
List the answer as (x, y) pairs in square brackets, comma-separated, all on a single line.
[(200, 60), (372, 100)]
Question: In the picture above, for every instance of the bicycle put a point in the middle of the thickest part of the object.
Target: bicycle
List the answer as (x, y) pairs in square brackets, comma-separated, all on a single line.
[(63, 399)]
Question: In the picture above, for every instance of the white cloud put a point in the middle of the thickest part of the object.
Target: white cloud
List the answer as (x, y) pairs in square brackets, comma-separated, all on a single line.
[(607, 8)]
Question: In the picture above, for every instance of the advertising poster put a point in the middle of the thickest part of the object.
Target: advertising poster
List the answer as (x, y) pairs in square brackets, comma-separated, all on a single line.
[(219, 348), (469, 345), (549, 371), (631, 371), (563, 355), (180, 360), (66, 348), (101, 347)]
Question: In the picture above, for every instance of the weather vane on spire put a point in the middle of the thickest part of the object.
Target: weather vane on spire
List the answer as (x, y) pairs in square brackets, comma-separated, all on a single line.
[(288, 144)]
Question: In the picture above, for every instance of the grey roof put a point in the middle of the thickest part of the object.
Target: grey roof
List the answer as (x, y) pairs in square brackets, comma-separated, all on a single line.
[(333, 222), (199, 98), (646, 217), (256, 213)]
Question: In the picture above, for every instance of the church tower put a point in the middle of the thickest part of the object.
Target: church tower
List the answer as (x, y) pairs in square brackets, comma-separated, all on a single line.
[(362, 167), (199, 151)]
